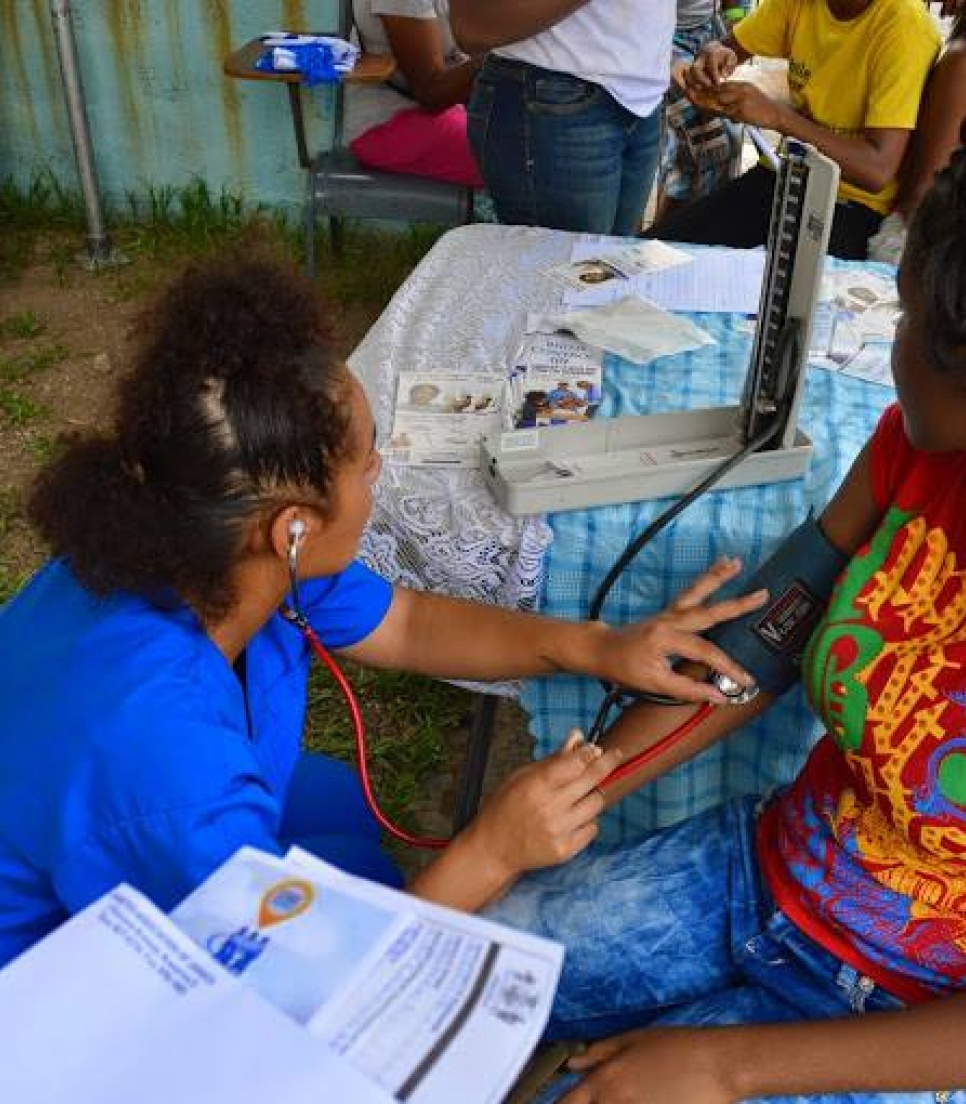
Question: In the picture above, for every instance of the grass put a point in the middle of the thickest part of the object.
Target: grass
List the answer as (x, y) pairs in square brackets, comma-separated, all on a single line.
[(412, 724), (373, 262), (27, 214), (13, 572), (20, 409), (14, 369), (191, 219), (22, 326)]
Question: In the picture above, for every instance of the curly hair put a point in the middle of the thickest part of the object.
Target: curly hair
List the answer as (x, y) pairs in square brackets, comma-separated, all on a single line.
[(236, 402), (936, 255)]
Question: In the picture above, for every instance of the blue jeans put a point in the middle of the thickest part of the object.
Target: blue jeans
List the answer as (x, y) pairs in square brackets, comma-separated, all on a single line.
[(558, 151), (325, 813), (679, 929)]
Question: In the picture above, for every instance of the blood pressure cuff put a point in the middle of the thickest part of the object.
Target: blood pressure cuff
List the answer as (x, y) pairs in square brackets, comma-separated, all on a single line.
[(799, 578)]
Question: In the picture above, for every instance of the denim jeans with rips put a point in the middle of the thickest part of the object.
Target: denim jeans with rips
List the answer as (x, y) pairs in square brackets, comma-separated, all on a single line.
[(559, 151), (678, 929)]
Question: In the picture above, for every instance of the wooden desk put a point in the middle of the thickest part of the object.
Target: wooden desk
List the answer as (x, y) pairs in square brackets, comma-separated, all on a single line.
[(370, 69)]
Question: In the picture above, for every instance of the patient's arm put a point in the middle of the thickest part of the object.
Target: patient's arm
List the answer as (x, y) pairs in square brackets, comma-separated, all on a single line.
[(417, 46), (848, 521), (941, 115), (642, 725)]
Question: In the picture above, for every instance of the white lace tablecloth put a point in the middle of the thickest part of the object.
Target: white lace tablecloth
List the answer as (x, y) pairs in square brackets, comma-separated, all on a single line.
[(463, 307)]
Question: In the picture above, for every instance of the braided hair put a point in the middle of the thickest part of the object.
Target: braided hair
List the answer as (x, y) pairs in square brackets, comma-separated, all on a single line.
[(236, 402)]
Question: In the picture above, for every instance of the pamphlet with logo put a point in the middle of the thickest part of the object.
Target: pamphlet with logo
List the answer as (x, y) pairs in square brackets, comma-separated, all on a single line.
[(118, 1005), (277, 979), (613, 264), (430, 1004)]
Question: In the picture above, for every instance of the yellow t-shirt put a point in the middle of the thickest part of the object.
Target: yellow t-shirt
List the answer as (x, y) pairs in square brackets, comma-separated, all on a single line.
[(849, 75)]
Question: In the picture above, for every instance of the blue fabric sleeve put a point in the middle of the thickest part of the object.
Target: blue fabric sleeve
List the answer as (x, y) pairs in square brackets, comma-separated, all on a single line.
[(167, 854), (345, 608)]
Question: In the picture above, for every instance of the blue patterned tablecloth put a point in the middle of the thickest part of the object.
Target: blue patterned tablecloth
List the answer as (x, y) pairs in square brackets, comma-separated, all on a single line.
[(838, 413)]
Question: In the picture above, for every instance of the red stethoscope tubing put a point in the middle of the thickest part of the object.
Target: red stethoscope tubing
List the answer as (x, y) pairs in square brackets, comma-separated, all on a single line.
[(436, 843), (432, 843), (675, 736)]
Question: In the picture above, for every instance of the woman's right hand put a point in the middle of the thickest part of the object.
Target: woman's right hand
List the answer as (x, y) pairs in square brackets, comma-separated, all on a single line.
[(545, 812), (714, 64)]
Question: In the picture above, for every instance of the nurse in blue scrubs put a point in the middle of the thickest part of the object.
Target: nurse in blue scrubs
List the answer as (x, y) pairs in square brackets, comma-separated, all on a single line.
[(151, 695)]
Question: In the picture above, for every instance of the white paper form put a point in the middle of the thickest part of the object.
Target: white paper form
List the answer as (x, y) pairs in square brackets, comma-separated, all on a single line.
[(872, 362), (495, 1016), (634, 329), (433, 1005), (117, 1006), (721, 280)]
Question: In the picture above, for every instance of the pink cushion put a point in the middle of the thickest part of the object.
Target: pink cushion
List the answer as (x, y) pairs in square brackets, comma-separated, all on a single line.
[(418, 142)]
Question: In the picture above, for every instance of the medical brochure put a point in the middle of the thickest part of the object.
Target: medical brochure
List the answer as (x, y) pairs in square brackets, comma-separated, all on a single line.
[(118, 1005), (594, 266), (281, 979), (691, 278), (439, 420), (431, 1005), (555, 378)]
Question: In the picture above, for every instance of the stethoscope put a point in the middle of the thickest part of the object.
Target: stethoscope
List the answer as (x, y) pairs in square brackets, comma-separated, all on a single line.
[(295, 615), (616, 698)]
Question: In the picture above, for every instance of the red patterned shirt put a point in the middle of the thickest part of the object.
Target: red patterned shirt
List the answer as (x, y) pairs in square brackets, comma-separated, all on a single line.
[(866, 851)]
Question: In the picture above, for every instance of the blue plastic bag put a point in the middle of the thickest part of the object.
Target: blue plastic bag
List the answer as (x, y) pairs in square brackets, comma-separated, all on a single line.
[(321, 59)]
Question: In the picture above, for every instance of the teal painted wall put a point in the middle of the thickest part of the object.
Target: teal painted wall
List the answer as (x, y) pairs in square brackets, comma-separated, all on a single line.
[(159, 108)]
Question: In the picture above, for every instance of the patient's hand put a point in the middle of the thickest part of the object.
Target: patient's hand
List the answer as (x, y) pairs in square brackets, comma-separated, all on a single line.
[(654, 1066)]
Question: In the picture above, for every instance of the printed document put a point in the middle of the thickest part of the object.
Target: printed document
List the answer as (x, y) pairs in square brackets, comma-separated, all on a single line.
[(720, 280), (440, 419), (555, 378), (117, 1005), (433, 1005)]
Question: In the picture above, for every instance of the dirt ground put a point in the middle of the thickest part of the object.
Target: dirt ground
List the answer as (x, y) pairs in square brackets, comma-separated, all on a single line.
[(64, 333)]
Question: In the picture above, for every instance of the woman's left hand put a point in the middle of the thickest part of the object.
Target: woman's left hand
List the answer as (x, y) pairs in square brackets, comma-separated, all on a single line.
[(639, 656), (653, 1066)]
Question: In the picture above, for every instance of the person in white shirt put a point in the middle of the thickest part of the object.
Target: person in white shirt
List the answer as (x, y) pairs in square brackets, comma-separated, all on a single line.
[(564, 119)]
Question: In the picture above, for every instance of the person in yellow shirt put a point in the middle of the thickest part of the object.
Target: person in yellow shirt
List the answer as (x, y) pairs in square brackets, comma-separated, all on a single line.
[(856, 71)]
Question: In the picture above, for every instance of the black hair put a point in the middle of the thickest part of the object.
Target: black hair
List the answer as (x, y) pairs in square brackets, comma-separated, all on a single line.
[(958, 29), (236, 404), (935, 255)]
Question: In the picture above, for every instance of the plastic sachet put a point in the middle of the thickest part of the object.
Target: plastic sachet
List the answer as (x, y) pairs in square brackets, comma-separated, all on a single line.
[(321, 59), (634, 329)]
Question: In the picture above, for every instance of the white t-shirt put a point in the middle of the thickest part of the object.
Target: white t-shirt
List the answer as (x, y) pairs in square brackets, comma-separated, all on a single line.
[(622, 45)]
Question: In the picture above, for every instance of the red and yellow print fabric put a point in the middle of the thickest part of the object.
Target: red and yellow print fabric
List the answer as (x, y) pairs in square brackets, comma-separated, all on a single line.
[(867, 849)]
